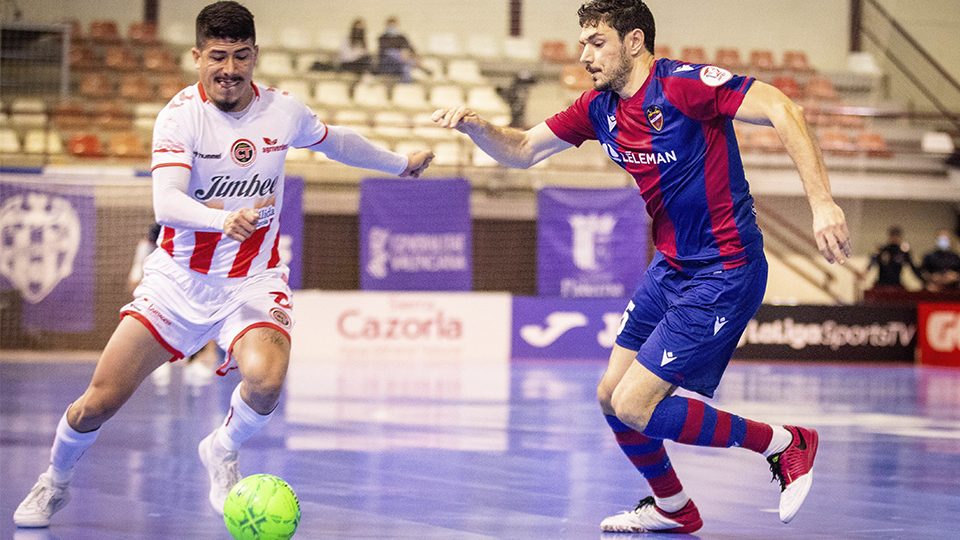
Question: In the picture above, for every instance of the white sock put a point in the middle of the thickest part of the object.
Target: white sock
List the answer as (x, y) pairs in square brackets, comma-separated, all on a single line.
[(780, 441), (68, 446), (673, 503), (241, 423)]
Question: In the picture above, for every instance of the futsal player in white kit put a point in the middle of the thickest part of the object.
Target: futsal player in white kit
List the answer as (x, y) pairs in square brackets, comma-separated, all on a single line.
[(218, 155)]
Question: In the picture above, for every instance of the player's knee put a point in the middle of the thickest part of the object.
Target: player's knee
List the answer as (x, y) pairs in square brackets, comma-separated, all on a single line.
[(605, 398), (630, 410)]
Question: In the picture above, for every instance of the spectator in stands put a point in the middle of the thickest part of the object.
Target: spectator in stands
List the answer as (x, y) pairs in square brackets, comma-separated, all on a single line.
[(396, 54), (354, 55), (891, 258), (940, 268)]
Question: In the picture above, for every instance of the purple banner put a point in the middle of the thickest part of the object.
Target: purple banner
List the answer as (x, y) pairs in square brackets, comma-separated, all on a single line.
[(590, 242), (560, 328), (47, 248), (415, 235), (291, 229)]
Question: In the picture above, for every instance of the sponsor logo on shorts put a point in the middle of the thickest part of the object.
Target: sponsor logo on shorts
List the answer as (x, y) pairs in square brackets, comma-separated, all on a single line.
[(156, 313), (281, 317), (243, 153)]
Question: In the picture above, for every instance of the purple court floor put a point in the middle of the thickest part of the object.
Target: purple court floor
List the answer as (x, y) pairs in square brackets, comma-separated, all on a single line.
[(505, 451)]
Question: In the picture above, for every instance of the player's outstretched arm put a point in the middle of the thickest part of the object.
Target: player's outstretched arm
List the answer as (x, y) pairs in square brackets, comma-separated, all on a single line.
[(350, 148), (766, 105), (509, 146)]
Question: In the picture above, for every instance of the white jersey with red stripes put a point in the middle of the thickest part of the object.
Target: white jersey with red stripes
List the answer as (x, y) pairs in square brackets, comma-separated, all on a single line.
[(234, 163)]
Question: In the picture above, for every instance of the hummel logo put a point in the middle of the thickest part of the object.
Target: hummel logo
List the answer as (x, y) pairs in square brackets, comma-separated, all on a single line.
[(683, 68), (611, 122), (802, 445), (269, 142), (667, 358), (719, 324)]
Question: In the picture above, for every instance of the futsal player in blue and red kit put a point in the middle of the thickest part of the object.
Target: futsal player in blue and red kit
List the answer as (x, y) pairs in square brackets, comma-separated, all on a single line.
[(669, 125)]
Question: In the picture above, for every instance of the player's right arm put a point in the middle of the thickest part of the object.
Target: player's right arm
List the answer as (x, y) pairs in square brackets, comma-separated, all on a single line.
[(174, 208), (509, 146)]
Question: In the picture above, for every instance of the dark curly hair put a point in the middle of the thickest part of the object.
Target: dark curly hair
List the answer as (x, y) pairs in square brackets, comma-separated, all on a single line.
[(225, 20), (623, 16)]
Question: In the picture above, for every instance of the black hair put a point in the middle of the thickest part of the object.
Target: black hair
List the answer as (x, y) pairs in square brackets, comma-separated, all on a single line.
[(623, 16), (225, 20)]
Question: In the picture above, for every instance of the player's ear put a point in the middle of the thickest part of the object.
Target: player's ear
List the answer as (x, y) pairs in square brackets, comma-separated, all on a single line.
[(634, 42)]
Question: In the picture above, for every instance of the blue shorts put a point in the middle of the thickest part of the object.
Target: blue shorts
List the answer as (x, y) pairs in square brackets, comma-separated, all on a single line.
[(686, 325)]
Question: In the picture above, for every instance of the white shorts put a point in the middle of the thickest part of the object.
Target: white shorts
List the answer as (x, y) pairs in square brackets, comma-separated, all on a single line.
[(184, 309)]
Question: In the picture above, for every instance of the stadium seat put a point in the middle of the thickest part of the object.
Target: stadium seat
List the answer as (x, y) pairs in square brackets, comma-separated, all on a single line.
[(485, 99), (9, 142), (447, 153), (789, 86), (873, 144), (762, 60), (143, 32), (112, 115), (391, 124), (170, 86), (136, 87), (179, 33), (821, 88), (82, 57), (275, 64), (410, 96), (28, 112), (729, 59), (519, 49), (465, 71), (694, 55), (443, 44), (482, 46), (39, 141), (85, 145), (76, 30), (936, 142), (836, 141), (446, 95), (69, 116), (120, 58), (356, 120), (371, 94), (425, 128), (159, 60), (145, 115), (407, 146), (796, 61), (554, 52), (431, 70), (127, 145), (334, 93), (575, 77), (295, 38), (105, 31), (662, 51)]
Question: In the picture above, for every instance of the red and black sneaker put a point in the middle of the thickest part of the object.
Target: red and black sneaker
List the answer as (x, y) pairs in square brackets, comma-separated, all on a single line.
[(794, 469), (646, 517)]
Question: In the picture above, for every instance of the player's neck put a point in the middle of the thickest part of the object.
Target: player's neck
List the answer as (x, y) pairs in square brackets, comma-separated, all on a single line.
[(641, 70)]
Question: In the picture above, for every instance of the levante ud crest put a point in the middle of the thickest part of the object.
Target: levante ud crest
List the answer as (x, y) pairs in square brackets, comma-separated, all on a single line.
[(655, 117)]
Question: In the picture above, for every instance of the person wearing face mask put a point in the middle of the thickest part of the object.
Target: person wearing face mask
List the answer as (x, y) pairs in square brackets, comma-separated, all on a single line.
[(396, 54), (354, 55), (940, 268)]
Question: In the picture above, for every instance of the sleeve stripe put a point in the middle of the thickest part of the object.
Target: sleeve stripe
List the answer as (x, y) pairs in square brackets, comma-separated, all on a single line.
[(155, 167), (326, 131)]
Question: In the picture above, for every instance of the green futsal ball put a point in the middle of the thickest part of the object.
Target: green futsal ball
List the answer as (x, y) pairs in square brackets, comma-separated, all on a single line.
[(261, 507)]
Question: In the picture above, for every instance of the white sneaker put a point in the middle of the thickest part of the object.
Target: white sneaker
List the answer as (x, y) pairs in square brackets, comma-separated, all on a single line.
[(44, 500), (222, 468), (647, 517)]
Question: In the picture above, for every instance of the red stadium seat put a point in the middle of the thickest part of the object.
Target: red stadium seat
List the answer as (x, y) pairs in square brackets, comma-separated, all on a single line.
[(728, 58), (821, 88), (127, 145), (796, 61), (104, 31), (120, 58), (68, 116), (662, 51), (136, 87), (694, 55), (112, 116), (554, 52), (83, 58), (575, 77), (789, 86), (171, 86), (96, 85), (143, 32), (873, 144), (836, 141), (762, 60), (160, 60), (85, 145)]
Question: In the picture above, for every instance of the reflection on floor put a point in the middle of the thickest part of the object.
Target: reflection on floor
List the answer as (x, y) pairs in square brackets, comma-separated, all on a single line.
[(519, 451)]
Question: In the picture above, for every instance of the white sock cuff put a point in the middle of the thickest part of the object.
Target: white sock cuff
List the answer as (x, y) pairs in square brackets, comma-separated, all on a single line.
[(673, 503), (241, 423), (779, 442), (245, 413), (72, 436)]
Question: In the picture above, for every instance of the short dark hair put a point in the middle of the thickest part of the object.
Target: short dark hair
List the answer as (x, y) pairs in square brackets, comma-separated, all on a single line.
[(225, 20), (623, 16)]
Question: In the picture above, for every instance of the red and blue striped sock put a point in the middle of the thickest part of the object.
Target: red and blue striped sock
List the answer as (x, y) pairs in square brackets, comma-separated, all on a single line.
[(690, 421), (649, 457)]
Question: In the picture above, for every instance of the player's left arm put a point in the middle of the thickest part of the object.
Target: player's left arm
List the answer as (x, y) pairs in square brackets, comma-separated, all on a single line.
[(766, 105)]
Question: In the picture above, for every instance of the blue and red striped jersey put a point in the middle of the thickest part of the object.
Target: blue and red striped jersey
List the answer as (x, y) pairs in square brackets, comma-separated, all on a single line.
[(675, 137)]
